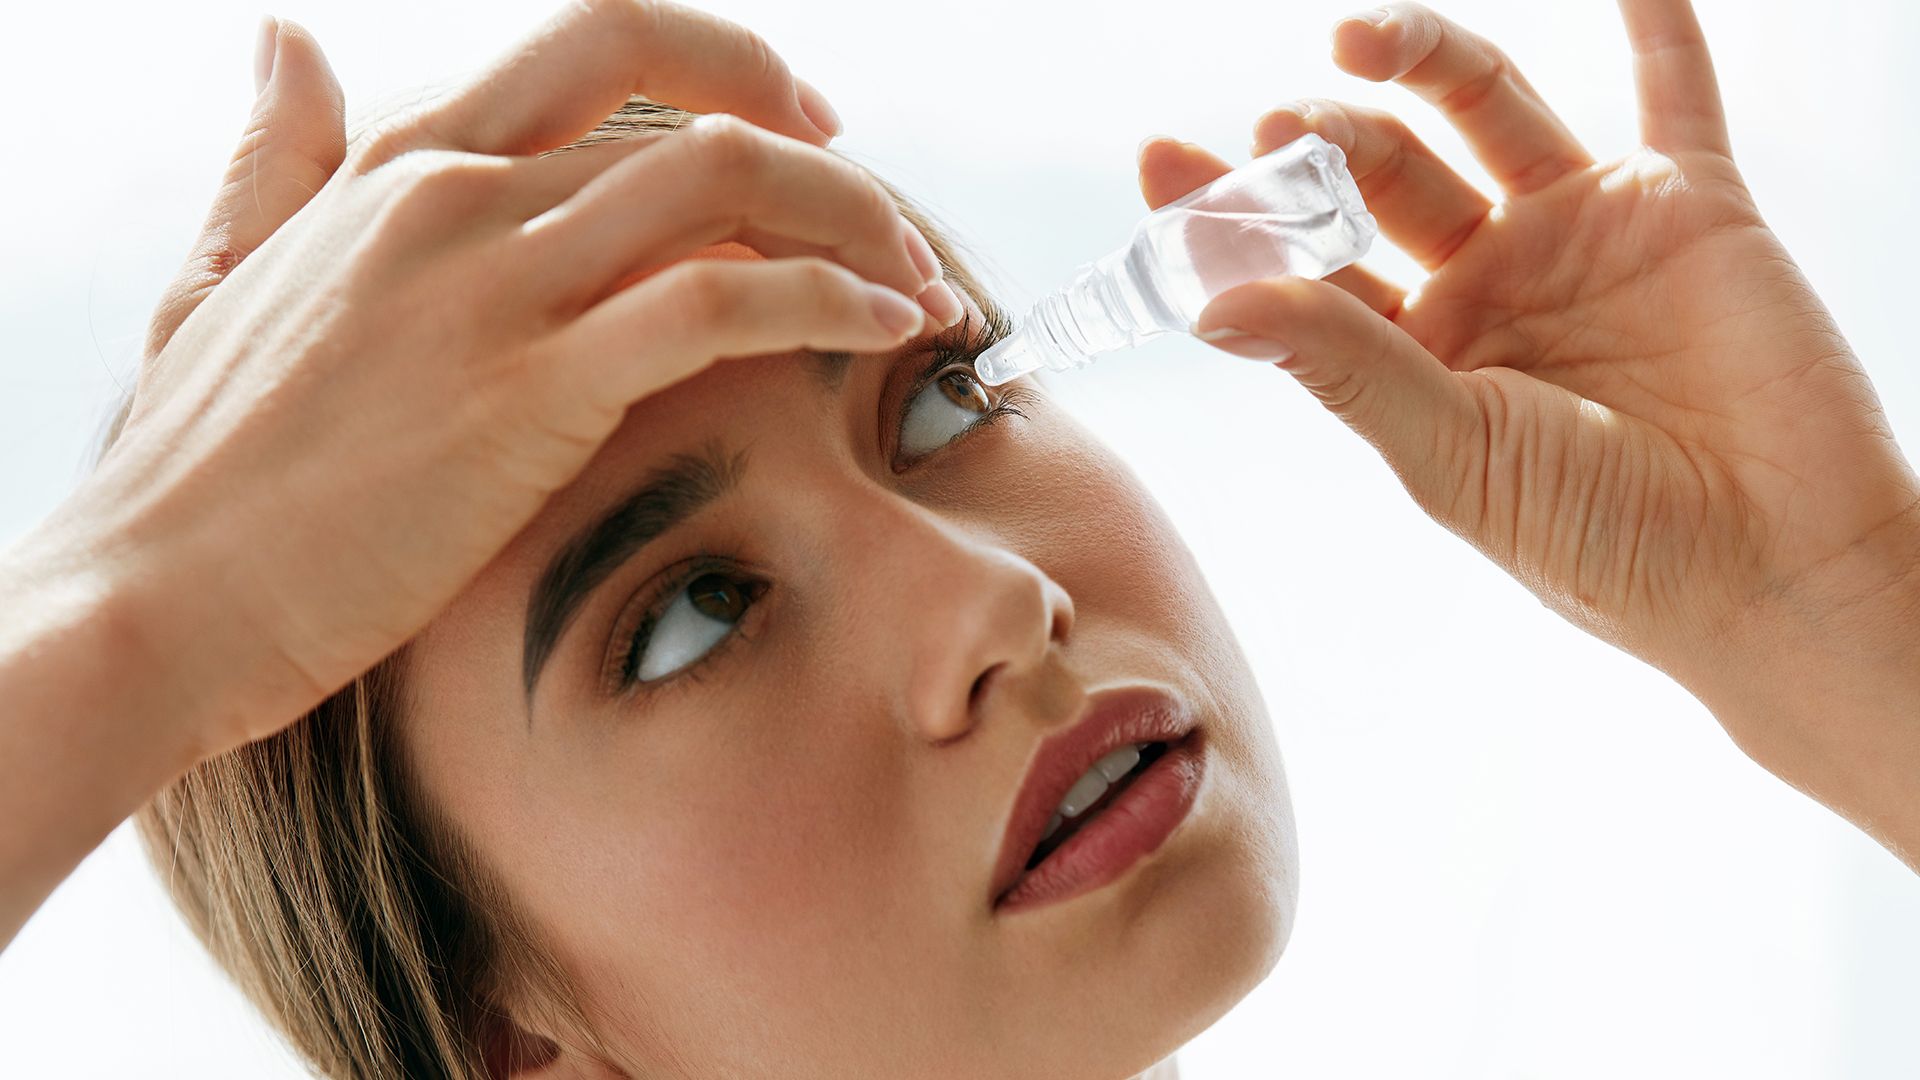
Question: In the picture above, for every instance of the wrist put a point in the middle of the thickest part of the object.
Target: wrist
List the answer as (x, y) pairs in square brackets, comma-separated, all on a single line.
[(84, 648), (1821, 686), (82, 744)]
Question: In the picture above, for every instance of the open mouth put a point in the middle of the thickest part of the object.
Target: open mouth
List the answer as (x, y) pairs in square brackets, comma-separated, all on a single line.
[(1070, 824)]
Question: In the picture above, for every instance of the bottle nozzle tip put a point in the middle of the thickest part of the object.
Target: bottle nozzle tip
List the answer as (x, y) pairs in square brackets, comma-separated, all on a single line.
[(1001, 362)]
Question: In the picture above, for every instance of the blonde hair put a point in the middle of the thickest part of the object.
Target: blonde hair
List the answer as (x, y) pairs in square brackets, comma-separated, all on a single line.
[(347, 910)]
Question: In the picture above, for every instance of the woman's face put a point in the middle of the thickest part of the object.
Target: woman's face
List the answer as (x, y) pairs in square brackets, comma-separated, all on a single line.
[(755, 798)]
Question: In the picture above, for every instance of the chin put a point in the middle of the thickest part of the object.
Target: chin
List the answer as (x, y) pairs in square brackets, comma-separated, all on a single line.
[(1160, 958)]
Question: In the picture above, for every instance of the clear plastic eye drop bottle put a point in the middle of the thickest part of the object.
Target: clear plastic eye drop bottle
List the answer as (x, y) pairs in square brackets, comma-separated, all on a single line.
[(1294, 211)]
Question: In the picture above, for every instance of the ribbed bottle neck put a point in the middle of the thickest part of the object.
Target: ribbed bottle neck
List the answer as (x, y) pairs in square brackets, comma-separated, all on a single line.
[(1091, 315)]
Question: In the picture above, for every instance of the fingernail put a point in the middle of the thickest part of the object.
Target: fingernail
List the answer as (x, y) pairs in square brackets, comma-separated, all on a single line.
[(1140, 154), (942, 304), (1372, 18), (921, 253), (1240, 343), (814, 104), (1265, 141), (266, 46), (901, 316)]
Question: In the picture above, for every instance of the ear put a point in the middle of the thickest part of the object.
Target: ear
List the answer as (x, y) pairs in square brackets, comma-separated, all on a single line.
[(510, 1051)]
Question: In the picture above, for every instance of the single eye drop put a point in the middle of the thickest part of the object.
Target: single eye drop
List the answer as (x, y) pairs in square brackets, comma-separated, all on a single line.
[(1293, 211)]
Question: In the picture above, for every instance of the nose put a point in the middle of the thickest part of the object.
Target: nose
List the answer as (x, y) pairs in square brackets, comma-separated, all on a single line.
[(968, 619)]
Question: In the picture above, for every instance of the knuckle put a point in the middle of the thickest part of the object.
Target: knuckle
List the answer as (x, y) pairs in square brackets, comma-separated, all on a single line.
[(448, 180), (1340, 392), (823, 278), (380, 144), (730, 145), (632, 19), (766, 65), (879, 204), (705, 292)]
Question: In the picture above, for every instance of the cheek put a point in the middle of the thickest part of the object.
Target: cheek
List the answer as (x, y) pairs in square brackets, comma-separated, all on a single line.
[(714, 863), (1103, 535)]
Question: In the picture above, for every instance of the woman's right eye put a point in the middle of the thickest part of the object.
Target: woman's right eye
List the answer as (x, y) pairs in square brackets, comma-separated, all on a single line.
[(941, 410), (700, 616)]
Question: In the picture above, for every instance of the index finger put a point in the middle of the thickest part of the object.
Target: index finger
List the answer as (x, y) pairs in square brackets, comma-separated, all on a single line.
[(1680, 105), (585, 63)]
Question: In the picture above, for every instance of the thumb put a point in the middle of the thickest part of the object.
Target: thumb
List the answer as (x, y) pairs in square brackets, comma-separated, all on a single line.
[(1425, 420), (294, 141)]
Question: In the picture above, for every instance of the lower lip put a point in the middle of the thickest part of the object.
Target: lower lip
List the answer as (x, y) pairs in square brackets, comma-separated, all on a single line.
[(1136, 822)]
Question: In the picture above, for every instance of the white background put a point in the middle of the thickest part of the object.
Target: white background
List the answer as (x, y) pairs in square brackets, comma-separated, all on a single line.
[(1525, 853)]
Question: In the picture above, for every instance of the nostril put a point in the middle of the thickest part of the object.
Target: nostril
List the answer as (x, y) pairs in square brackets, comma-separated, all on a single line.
[(980, 685)]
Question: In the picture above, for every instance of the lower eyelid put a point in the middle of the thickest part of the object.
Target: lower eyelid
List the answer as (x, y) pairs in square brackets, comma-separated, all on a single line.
[(738, 635)]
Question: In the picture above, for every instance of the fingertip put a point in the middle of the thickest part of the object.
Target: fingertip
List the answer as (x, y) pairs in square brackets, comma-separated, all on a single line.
[(266, 44), (820, 112), (1363, 45), (1172, 168), (1280, 126), (301, 61), (1261, 308)]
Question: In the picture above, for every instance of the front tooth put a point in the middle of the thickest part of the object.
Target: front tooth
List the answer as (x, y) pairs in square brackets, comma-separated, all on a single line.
[(1053, 826), (1115, 765), (1084, 793)]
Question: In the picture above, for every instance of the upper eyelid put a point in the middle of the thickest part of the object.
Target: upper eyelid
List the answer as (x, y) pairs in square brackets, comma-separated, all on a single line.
[(945, 356), (653, 600), (913, 393)]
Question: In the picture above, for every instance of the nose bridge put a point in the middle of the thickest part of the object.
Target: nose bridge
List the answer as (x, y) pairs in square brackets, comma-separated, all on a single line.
[(955, 615)]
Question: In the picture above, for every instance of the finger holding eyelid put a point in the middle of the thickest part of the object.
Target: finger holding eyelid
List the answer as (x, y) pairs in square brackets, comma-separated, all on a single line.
[(940, 301), (680, 321), (712, 181)]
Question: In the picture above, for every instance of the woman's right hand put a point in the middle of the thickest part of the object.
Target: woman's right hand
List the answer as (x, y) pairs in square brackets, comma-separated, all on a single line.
[(350, 425), (1616, 383)]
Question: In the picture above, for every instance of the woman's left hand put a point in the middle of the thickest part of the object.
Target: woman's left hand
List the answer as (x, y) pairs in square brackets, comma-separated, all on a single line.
[(1617, 385)]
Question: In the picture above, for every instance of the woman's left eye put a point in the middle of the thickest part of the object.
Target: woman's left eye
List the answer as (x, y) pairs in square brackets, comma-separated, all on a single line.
[(701, 615), (945, 407)]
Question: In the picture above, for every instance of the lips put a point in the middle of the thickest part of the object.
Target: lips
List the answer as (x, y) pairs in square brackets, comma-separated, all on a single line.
[(1111, 719)]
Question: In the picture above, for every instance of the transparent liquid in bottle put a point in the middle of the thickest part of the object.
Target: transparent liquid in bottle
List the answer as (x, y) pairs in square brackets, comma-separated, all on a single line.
[(1295, 210)]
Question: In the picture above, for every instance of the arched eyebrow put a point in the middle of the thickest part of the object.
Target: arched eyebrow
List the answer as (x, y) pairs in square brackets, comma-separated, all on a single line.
[(669, 495)]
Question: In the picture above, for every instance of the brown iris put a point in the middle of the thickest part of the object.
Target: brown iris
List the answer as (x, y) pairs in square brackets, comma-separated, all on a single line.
[(717, 597), (964, 391)]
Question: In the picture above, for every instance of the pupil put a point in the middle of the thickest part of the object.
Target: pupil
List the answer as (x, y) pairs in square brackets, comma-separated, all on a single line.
[(716, 597)]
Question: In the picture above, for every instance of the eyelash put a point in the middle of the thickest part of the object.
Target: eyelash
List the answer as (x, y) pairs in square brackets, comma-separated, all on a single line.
[(624, 679), (946, 359)]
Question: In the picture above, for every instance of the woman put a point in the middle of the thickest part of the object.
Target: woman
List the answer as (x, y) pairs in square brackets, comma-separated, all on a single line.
[(527, 694)]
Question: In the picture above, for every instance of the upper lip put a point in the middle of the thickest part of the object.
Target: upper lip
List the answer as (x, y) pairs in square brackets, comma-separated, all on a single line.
[(1109, 719)]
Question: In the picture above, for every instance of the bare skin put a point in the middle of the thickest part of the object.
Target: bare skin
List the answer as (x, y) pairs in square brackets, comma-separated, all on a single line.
[(1615, 383), (473, 421)]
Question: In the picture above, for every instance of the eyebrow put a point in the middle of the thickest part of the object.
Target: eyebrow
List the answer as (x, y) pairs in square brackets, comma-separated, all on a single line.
[(672, 493)]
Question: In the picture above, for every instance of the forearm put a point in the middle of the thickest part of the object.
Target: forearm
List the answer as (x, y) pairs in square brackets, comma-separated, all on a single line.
[(1827, 695), (84, 741)]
